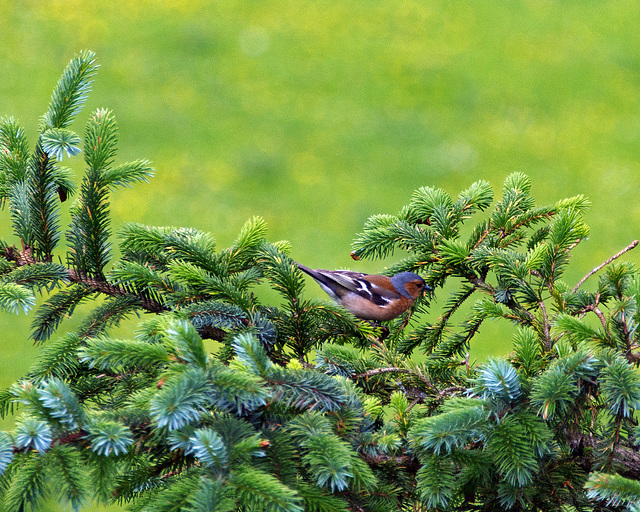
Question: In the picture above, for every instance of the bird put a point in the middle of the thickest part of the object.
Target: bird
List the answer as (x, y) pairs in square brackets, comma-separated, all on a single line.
[(370, 296)]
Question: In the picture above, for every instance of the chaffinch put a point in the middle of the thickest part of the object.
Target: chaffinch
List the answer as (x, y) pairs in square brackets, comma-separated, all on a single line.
[(369, 296)]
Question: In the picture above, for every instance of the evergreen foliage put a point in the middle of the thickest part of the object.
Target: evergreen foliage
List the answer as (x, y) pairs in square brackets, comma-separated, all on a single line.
[(299, 405)]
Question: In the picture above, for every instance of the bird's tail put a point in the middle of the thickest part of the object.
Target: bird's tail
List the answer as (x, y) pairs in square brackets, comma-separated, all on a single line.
[(306, 270), (326, 283), (318, 276)]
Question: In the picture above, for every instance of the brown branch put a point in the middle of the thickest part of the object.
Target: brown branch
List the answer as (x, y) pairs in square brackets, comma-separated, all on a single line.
[(413, 404), (481, 239), (451, 391), (517, 308), (393, 369), (633, 357), (378, 371), (25, 257), (406, 461), (598, 312), (599, 267), (546, 326), (112, 290), (573, 245), (626, 459), (480, 283)]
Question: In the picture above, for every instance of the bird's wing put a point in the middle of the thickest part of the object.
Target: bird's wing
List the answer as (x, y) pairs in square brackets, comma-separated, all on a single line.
[(372, 288), (352, 281)]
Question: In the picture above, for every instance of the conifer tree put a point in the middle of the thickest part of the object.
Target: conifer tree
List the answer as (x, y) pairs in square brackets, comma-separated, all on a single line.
[(302, 406)]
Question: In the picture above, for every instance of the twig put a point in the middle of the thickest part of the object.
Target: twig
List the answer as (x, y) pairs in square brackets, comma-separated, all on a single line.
[(546, 327), (392, 369), (378, 371), (600, 315), (615, 256), (450, 391), (412, 405)]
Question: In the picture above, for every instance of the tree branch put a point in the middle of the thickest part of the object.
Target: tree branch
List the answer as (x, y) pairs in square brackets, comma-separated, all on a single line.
[(627, 460), (26, 257), (632, 245), (113, 290), (378, 371), (546, 326)]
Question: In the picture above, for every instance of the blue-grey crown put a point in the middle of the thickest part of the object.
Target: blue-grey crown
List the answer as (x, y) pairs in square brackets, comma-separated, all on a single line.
[(399, 282)]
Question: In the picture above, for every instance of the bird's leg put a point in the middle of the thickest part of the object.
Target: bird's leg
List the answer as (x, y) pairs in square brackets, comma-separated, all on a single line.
[(384, 330)]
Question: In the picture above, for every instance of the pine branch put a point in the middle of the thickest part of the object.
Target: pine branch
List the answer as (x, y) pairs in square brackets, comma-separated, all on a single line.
[(6, 451), (42, 205), (168, 244), (435, 482), (66, 102), (255, 489), (106, 353), (71, 91), (28, 486), (89, 231), (181, 400), (452, 430), (147, 301), (613, 489), (69, 475), (52, 312), (58, 141), (626, 459), (14, 156), (306, 390), (246, 246), (127, 174), (165, 425), (201, 283), (14, 298), (20, 210), (38, 276), (430, 336), (110, 313), (57, 359), (55, 309)]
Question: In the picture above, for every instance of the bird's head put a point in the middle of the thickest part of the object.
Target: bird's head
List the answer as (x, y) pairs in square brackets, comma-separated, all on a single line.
[(409, 285)]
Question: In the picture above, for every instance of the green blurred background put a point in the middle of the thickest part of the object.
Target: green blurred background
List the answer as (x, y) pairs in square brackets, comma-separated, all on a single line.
[(316, 115)]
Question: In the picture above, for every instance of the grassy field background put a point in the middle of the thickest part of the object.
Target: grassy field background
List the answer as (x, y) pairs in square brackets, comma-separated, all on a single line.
[(316, 115)]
